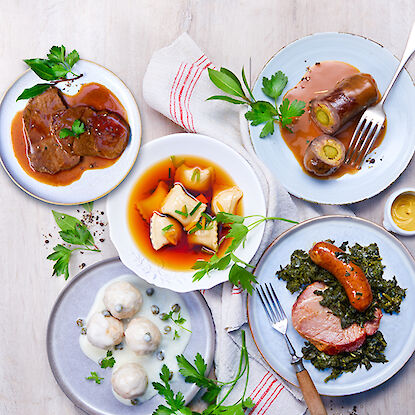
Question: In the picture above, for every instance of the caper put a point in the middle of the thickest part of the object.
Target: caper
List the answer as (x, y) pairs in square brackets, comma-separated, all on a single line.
[(150, 291), (80, 322), (134, 402), (118, 308), (119, 346), (147, 337), (160, 355), (167, 329), (163, 316), (175, 308), (155, 309), (83, 331), (106, 313)]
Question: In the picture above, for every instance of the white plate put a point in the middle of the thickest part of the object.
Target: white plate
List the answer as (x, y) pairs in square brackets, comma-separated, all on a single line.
[(398, 146), (69, 364), (193, 144), (93, 184), (398, 329)]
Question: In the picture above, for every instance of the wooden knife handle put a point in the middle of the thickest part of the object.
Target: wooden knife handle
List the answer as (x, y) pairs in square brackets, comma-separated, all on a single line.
[(311, 396)]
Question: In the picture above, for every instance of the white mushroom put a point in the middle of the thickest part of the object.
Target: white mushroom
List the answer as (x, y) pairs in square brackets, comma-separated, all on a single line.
[(142, 336), (178, 200), (129, 380), (206, 237), (164, 231), (104, 332), (226, 200), (122, 299), (195, 178)]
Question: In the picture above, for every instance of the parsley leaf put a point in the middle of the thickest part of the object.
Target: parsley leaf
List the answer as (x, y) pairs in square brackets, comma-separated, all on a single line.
[(94, 376), (240, 276), (77, 129), (274, 86), (107, 361), (74, 232), (178, 320), (262, 111), (290, 110)]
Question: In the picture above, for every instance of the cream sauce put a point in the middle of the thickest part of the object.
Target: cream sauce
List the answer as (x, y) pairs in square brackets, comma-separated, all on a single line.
[(164, 299)]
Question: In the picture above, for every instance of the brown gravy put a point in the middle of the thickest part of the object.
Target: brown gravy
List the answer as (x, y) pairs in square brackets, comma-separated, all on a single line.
[(319, 78), (182, 256), (92, 94)]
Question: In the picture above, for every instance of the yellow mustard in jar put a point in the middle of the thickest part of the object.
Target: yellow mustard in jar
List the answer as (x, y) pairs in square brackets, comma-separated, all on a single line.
[(403, 211)]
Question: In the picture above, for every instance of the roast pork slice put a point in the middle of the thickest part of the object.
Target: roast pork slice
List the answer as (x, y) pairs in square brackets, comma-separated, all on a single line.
[(106, 133), (45, 153), (323, 329)]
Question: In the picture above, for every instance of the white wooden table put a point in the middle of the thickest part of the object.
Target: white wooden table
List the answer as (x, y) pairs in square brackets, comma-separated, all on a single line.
[(122, 35)]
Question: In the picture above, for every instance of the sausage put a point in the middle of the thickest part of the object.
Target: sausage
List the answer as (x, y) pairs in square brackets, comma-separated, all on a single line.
[(333, 109), (350, 275), (324, 155)]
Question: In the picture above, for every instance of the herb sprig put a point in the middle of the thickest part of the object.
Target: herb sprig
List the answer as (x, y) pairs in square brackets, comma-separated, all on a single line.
[(54, 69), (94, 376), (177, 319), (74, 232), (107, 361), (238, 232), (196, 374), (76, 130), (261, 112)]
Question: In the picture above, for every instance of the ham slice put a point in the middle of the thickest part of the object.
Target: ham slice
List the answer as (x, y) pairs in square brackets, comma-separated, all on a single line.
[(323, 329)]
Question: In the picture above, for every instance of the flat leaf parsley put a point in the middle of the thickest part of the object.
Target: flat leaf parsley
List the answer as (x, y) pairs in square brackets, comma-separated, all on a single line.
[(261, 112)]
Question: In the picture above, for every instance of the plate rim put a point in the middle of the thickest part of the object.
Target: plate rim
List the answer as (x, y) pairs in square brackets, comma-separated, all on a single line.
[(191, 392), (310, 35), (295, 228), (125, 256), (140, 138)]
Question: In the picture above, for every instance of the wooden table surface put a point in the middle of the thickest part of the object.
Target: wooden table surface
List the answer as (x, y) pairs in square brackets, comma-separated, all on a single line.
[(122, 35)]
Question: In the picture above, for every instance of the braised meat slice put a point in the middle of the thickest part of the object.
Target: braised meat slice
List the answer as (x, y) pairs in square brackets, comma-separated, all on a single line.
[(323, 329), (106, 133), (45, 153)]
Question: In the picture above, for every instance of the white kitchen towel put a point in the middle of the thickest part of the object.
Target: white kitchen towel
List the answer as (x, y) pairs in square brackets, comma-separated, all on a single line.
[(177, 85)]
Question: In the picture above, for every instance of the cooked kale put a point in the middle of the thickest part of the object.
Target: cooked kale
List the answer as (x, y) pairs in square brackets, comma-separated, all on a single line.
[(387, 294), (371, 351)]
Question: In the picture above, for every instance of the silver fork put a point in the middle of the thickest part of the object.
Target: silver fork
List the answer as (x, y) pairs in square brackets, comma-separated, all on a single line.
[(372, 120), (279, 322)]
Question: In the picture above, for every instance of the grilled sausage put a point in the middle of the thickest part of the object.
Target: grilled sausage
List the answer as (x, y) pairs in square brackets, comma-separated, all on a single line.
[(350, 275), (332, 110)]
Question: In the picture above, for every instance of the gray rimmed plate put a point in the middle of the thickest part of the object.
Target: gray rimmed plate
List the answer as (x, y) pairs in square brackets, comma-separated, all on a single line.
[(69, 365), (398, 146), (398, 330)]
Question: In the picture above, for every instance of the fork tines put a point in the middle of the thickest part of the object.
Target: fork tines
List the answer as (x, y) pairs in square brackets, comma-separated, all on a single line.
[(363, 139), (271, 303)]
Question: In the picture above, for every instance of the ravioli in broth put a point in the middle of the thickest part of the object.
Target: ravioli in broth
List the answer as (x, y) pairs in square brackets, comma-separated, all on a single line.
[(184, 193)]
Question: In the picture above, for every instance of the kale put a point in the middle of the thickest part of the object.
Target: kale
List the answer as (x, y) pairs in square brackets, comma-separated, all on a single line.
[(371, 351)]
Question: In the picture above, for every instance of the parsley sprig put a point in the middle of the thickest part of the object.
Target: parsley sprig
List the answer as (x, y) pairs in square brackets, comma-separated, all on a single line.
[(94, 376), (196, 374), (238, 232), (261, 112), (107, 361), (178, 320), (74, 232), (54, 69), (76, 130)]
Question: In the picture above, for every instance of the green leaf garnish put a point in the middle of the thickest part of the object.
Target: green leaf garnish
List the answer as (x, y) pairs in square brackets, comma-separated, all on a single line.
[(74, 232), (54, 69), (77, 129), (261, 112), (88, 206), (94, 376), (166, 228), (194, 210), (108, 361), (196, 175)]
